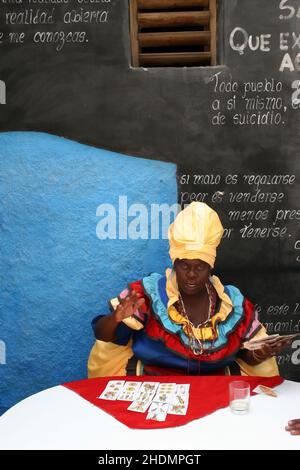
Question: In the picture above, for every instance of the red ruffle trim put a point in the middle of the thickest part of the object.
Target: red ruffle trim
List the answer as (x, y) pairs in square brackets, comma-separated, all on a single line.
[(155, 330)]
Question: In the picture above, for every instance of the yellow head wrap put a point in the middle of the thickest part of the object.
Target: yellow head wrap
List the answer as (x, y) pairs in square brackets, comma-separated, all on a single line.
[(195, 233)]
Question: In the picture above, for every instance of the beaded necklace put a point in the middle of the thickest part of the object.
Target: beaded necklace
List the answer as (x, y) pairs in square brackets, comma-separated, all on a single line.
[(195, 344)]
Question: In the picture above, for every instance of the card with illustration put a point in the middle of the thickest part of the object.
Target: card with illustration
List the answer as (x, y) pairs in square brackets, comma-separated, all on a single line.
[(178, 409), (263, 389), (179, 399), (167, 387), (180, 402), (165, 393), (149, 387), (139, 406), (183, 389), (164, 397), (130, 391), (112, 390), (158, 411), (147, 391), (270, 340)]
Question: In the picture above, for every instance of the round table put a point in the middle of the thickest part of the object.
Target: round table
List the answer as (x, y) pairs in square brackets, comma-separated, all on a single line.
[(58, 418)]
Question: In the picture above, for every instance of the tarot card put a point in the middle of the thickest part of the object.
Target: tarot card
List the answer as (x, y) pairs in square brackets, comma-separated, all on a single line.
[(179, 404), (271, 340), (183, 389), (258, 343), (167, 387), (265, 391), (147, 391), (149, 386), (112, 390), (158, 411), (179, 399), (139, 406), (165, 393), (129, 391), (176, 409), (164, 397)]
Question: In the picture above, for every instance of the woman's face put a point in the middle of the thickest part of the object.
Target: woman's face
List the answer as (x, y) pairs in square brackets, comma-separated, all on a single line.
[(192, 275)]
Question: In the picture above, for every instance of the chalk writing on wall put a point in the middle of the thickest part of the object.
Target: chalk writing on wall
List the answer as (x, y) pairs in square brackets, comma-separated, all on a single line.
[(287, 42), (251, 103), (258, 190), (60, 24), (255, 205), (263, 101)]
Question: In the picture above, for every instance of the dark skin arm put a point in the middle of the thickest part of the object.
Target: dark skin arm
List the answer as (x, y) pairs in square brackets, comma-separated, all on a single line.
[(293, 427), (105, 328)]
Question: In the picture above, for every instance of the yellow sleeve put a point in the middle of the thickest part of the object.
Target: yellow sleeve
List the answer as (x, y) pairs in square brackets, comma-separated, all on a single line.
[(108, 359)]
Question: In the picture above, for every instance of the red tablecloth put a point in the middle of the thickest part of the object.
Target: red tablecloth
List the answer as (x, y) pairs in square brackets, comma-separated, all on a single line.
[(207, 394)]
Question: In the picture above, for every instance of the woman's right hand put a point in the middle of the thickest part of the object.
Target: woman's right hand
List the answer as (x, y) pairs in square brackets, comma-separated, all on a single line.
[(128, 306)]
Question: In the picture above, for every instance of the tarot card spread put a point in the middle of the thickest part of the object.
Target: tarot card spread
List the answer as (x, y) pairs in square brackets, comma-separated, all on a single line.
[(161, 398)]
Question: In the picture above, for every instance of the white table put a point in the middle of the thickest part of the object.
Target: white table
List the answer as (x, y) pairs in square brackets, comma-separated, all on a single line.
[(58, 418)]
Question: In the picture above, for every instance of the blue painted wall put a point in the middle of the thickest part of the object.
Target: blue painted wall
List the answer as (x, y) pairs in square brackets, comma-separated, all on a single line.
[(56, 274)]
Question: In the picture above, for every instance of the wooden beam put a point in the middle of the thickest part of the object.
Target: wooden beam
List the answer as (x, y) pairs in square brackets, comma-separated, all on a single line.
[(174, 59), (180, 38), (173, 19), (171, 4), (135, 49)]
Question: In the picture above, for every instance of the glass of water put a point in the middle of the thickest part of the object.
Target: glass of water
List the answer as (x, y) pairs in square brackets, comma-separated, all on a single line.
[(239, 397)]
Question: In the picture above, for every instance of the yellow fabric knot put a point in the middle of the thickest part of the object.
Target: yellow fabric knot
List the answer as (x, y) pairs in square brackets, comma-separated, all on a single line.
[(195, 233)]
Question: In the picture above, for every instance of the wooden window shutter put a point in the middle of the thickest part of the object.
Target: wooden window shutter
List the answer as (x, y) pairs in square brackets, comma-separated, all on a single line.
[(173, 33)]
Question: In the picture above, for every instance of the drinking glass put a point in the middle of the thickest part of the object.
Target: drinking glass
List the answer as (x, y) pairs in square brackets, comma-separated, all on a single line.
[(239, 397)]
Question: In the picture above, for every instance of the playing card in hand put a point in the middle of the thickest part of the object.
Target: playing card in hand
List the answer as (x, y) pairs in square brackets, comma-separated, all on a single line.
[(271, 340)]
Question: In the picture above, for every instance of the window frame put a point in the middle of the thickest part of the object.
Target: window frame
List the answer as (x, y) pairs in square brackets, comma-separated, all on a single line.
[(201, 57)]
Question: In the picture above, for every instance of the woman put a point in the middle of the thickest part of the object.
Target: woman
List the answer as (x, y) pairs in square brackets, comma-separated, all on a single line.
[(184, 322)]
